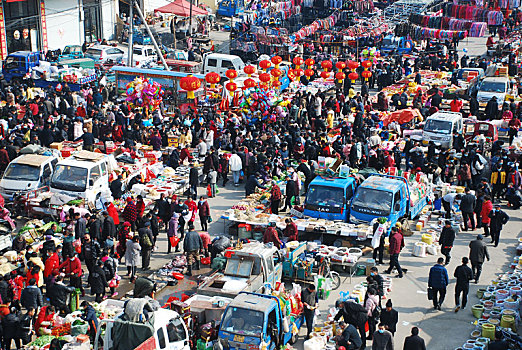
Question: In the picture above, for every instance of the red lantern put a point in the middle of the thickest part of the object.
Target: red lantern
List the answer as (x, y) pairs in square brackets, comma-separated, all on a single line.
[(298, 61), (249, 83), (353, 65), (191, 84), (265, 64), (353, 77), (366, 64), (327, 65), (263, 86), (309, 62), (249, 70), (366, 74), (340, 65), (340, 76), (277, 60), (264, 77), (212, 78), (325, 75), (276, 73), (231, 74), (309, 72), (231, 87), (298, 72), (276, 83), (291, 74)]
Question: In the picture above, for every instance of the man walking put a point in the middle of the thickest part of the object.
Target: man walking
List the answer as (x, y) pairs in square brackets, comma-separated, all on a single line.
[(396, 245), (382, 339), (414, 341), (192, 246), (498, 219), (463, 274), (467, 205), (438, 280), (310, 301), (447, 236), (478, 250), (147, 244)]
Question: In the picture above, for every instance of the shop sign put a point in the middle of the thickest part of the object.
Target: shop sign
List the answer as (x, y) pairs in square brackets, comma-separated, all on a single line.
[(3, 41), (44, 26)]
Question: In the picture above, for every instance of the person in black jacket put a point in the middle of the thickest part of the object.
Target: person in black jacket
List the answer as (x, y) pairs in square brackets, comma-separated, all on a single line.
[(498, 219), (390, 317), (6, 293), (59, 295), (463, 274), (90, 252), (291, 192), (147, 244), (94, 227), (467, 206), (355, 314), (108, 228), (11, 329), (98, 281), (193, 180), (492, 108), (31, 296), (253, 183), (349, 337), (414, 341), (116, 187), (26, 326), (446, 239)]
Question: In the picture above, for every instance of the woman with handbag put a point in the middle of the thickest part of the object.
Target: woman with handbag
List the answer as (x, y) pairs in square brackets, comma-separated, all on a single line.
[(172, 233)]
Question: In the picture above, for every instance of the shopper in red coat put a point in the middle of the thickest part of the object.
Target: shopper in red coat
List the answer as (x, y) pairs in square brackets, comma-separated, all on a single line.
[(290, 230), (487, 207), (51, 264), (396, 245), (113, 213), (271, 236)]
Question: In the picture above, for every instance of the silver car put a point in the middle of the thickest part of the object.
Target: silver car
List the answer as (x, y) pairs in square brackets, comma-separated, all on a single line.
[(105, 54)]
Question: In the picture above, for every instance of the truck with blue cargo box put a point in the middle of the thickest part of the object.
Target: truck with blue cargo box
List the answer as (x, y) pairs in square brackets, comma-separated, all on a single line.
[(329, 198), (386, 196)]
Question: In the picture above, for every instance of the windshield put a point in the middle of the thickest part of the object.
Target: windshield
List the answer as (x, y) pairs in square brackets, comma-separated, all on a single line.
[(378, 202), (175, 330), (70, 178), (24, 172), (493, 86), (94, 52), (439, 126), (137, 51), (386, 42), (325, 196), (243, 321)]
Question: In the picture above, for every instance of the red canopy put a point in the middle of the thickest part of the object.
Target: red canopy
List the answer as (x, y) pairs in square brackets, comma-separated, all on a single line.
[(402, 116), (181, 8)]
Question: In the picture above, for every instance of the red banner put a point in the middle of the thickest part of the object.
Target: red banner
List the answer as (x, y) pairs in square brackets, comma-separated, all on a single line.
[(3, 41), (44, 26), (14, 0)]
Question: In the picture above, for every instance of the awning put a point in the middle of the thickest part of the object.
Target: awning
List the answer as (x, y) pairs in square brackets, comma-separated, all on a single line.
[(181, 8)]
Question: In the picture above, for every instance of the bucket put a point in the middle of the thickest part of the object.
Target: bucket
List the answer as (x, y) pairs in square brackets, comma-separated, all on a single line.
[(426, 238), (510, 304), (477, 310), (475, 334), (488, 331), (480, 292), (487, 295), (509, 312), (507, 321), (501, 294), (494, 321), (515, 290), (483, 340), (488, 305)]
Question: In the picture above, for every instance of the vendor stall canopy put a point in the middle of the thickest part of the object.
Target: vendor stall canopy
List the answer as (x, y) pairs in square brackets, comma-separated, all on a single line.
[(181, 8)]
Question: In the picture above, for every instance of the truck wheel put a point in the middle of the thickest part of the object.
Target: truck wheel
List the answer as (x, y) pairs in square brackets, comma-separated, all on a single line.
[(294, 338)]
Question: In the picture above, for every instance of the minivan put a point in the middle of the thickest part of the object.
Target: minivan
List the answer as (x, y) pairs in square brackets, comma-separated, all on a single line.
[(220, 63), (441, 127), (105, 54)]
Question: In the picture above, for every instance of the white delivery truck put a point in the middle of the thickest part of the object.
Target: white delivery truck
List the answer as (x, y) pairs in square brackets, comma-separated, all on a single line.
[(26, 173), (83, 175), (441, 127)]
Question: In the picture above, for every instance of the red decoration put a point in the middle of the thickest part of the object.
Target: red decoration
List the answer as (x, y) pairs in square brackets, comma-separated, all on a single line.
[(265, 64), (231, 74), (353, 65), (231, 87), (291, 74), (277, 60), (276, 83), (309, 62), (249, 83), (264, 77), (366, 74), (340, 65), (353, 76), (309, 72), (325, 75), (340, 76), (263, 86), (249, 70), (276, 73), (298, 72), (367, 64), (191, 84), (212, 78), (327, 65), (298, 61)]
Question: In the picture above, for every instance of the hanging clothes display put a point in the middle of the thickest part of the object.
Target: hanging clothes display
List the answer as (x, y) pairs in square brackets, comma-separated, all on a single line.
[(417, 32), (474, 13), (448, 23), (325, 23)]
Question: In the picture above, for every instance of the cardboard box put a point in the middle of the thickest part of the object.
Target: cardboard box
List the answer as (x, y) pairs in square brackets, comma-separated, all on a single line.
[(57, 145)]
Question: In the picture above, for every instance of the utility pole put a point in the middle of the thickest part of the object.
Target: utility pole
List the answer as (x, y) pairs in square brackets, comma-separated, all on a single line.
[(131, 32), (190, 19)]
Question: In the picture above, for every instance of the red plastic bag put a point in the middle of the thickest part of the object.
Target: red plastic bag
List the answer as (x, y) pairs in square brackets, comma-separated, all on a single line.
[(205, 261), (209, 191), (178, 276), (174, 240)]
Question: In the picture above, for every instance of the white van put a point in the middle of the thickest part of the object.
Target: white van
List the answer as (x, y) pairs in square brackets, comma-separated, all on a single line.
[(83, 175), (26, 173), (220, 63), (500, 87), (441, 127), (141, 56)]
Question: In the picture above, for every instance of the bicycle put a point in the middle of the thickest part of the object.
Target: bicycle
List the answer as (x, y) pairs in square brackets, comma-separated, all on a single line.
[(324, 269)]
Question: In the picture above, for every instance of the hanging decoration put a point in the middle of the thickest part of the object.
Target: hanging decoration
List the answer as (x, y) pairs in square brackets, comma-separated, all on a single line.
[(144, 93), (212, 78), (191, 84)]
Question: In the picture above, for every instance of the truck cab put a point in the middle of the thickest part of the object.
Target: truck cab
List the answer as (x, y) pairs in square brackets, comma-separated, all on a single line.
[(142, 56), (71, 52), (220, 63), (400, 45), (255, 321), (26, 173), (19, 63), (84, 175), (329, 198), (500, 87), (384, 196), (441, 127), (248, 269)]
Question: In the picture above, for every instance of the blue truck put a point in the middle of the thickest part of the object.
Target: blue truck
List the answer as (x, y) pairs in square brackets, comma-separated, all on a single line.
[(329, 198), (256, 321), (230, 8), (399, 45), (385, 196), (20, 64)]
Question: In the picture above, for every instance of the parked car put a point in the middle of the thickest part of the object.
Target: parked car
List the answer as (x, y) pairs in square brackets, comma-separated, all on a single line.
[(105, 54), (142, 56)]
